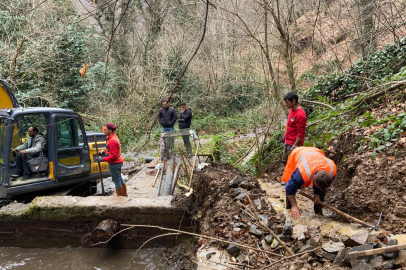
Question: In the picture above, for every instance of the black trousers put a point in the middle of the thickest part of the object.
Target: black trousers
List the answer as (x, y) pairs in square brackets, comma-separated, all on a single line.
[(21, 163), (317, 207)]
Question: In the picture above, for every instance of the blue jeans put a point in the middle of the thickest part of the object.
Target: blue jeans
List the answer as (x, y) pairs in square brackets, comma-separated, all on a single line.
[(165, 129), (115, 170)]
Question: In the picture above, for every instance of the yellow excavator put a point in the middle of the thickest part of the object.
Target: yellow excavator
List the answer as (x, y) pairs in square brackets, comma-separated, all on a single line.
[(68, 154)]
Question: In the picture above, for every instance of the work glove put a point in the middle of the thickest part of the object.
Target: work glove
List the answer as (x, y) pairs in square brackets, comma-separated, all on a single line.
[(102, 153), (99, 159)]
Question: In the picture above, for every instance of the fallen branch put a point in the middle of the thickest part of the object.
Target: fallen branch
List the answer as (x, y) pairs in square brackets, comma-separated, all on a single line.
[(339, 212), (246, 154), (263, 225), (241, 264), (318, 103), (162, 235), (131, 226), (363, 100), (298, 254)]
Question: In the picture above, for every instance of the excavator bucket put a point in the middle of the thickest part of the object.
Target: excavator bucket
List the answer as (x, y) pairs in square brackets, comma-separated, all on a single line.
[(7, 98)]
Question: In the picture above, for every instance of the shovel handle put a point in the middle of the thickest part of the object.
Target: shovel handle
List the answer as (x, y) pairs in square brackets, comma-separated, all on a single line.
[(339, 212)]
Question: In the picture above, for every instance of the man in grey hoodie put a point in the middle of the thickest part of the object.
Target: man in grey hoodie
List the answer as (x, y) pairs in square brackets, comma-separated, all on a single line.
[(30, 149)]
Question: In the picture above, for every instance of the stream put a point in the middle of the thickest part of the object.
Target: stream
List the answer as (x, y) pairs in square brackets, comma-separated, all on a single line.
[(80, 259)]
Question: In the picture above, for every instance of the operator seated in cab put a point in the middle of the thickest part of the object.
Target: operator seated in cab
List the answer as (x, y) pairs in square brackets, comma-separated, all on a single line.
[(28, 150), (307, 166)]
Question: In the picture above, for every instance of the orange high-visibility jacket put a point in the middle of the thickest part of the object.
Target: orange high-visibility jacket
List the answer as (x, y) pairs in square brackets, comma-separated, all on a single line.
[(308, 160)]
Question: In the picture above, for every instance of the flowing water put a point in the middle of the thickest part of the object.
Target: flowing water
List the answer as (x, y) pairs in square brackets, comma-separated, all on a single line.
[(80, 259)]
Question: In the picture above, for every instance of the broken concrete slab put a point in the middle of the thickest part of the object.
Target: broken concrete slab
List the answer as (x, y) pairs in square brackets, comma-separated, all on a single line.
[(357, 239), (333, 247)]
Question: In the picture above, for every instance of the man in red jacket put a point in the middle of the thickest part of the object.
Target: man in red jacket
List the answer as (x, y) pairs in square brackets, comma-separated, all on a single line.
[(112, 155), (295, 125)]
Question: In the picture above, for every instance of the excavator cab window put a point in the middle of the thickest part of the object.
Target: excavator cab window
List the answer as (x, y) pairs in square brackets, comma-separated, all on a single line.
[(3, 131), (69, 131), (37, 163)]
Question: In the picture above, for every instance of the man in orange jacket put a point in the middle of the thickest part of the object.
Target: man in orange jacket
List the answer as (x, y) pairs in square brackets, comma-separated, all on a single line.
[(307, 166), (112, 155)]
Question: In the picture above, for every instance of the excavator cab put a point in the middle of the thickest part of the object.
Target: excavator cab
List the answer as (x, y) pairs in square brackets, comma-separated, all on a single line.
[(66, 156)]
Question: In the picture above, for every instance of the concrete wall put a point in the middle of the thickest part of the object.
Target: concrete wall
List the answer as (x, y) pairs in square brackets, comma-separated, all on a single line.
[(65, 220)]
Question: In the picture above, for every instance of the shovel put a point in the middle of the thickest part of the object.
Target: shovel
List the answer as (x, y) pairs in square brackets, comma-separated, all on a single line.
[(157, 167)]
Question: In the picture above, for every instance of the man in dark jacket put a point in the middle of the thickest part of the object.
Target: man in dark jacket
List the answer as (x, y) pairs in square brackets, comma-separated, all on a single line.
[(167, 117), (185, 118)]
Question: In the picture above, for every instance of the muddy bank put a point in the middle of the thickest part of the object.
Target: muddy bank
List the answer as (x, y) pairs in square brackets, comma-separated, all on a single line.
[(367, 185)]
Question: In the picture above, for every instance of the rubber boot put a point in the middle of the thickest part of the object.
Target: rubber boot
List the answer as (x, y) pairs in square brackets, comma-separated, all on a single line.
[(124, 187), (119, 191)]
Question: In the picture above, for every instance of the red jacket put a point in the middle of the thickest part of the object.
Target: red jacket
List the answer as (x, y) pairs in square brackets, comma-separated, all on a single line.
[(295, 126), (113, 150)]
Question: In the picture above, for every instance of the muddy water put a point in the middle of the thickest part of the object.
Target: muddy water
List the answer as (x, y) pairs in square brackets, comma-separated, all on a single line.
[(276, 196), (79, 259)]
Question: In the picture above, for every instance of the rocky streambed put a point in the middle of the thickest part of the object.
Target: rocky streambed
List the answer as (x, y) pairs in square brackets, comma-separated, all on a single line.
[(255, 232)]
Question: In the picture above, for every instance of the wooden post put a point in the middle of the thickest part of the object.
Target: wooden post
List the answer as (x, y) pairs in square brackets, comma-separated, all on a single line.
[(193, 167), (100, 171), (338, 211), (378, 250)]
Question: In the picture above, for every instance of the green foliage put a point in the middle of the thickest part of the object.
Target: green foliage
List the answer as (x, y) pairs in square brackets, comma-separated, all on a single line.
[(380, 65)]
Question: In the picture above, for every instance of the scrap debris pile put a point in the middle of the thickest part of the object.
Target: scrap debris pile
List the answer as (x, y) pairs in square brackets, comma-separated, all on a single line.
[(230, 205)]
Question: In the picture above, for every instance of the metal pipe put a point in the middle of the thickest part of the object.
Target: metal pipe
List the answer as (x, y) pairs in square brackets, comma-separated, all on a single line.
[(167, 186), (175, 176), (160, 180)]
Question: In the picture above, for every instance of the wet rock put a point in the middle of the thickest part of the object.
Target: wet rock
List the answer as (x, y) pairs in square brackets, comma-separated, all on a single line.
[(269, 239), (244, 184), (242, 258), (341, 255), (390, 255), (258, 204), (238, 225), (392, 241), (237, 191), (209, 254), (233, 250), (359, 248), (357, 239), (333, 247), (235, 181), (306, 247), (329, 256), (287, 229), (284, 238), (255, 231), (361, 265), (315, 241), (376, 262), (236, 217), (265, 245), (274, 244), (312, 231), (388, 264), (241, 196), (401, 259)]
